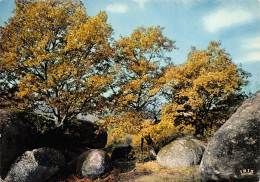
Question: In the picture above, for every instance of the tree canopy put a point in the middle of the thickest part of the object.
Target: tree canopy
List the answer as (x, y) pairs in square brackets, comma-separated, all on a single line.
[(204, 91), (138, 72), (54, 56), (57, 57)]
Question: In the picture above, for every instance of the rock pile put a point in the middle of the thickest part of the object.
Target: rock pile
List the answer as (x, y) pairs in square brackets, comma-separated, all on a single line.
[(30, 155)]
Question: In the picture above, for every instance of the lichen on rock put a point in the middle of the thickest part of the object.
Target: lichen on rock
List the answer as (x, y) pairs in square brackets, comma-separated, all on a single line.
[(181, 152), (235, 147)]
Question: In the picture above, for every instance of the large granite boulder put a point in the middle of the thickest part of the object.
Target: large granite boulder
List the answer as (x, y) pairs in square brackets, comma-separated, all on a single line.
[(82, 134), (181, 152), (233, 153), (38, 165), (93, 164)]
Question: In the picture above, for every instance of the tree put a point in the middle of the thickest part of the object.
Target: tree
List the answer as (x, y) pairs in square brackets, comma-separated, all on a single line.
[(136, 85), (57, 57), (204, 91), (137, 77)]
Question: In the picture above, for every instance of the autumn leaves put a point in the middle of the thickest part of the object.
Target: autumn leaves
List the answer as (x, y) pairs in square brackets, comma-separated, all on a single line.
[(53, 55)]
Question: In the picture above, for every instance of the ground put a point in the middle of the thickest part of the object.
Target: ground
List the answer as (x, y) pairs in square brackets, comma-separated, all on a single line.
[(145, 172)]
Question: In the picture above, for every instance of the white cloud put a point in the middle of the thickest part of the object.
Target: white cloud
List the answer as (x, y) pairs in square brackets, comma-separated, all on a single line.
[(251, 43), (251, 48), (141, 3), (180, 1), (225, 18), (117, 8), (253, 56), (186, 3)]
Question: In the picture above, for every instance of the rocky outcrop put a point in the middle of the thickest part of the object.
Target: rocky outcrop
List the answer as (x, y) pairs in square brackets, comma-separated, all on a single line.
[(121, 152), (93, 163), (82, 133), (233, 153), (38, 165), (15, 138), (21, 131), (181, 152)]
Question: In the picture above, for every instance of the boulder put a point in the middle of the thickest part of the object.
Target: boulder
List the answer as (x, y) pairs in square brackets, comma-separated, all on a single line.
[(93, 163), (81, 134), (121, 152), (38, 165), (180, 153), (233, 153)]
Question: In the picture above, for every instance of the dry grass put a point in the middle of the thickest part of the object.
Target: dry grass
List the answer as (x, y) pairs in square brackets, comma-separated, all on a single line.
[(146, 172), (152, 172)]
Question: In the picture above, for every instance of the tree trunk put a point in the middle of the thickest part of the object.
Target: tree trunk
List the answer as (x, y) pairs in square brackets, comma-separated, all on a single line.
[(150, 143), (142, 147)]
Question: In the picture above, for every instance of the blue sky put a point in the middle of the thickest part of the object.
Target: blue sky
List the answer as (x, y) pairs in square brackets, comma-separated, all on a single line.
[(189, 22)]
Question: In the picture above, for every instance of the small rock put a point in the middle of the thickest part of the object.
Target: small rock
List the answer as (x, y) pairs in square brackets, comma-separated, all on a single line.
[(93, 163)]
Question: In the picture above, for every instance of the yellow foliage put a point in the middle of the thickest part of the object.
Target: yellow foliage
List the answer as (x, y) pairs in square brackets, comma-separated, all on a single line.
[(59, 56), (133, 127), (138, 84), (203, 90)]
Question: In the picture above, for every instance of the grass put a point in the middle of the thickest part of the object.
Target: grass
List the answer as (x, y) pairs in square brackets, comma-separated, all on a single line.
[(152, 171), (145, 172)]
